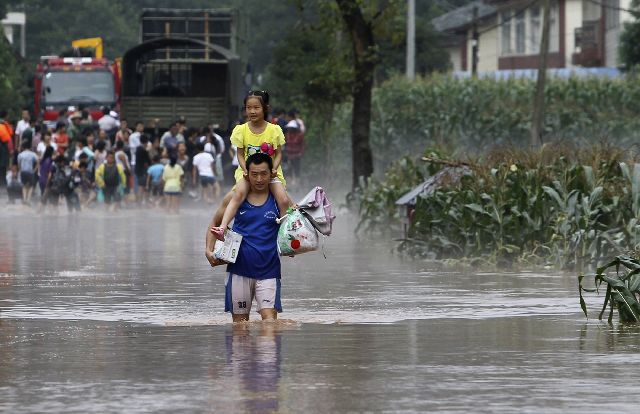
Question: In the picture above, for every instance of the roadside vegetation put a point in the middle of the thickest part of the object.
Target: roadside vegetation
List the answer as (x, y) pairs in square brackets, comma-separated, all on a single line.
[(573, 203)]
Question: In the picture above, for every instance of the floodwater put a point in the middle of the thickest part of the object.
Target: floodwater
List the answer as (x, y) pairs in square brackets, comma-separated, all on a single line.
[(121, 313)]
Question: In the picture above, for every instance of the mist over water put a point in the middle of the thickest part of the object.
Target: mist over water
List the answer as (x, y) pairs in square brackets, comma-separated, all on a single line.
[(104, 312)]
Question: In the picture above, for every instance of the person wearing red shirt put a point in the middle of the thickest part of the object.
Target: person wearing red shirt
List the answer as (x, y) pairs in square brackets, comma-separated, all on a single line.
[(6, 147), (61, 138)]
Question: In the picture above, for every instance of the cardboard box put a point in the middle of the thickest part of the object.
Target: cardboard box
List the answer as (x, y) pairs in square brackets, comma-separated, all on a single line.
[(228, 249)]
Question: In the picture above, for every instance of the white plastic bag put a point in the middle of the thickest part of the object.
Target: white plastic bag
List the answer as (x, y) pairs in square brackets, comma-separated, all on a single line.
[(296, 235)]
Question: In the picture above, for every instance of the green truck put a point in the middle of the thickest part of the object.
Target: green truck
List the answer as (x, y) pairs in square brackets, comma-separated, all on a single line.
[(189, 63)]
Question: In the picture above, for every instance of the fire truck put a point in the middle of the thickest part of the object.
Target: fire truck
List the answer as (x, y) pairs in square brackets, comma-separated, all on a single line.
[(78, 81)]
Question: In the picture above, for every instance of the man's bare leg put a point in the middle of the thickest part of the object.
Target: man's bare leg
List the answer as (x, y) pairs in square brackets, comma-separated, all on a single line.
[(240, 317), (269, 314)]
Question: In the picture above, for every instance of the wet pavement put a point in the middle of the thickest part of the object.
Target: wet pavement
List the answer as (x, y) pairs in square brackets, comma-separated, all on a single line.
[(121, 313)]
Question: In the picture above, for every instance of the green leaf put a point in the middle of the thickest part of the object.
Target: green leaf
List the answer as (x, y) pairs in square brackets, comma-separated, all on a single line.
[(475, 207), (554, 195), (607, 298)]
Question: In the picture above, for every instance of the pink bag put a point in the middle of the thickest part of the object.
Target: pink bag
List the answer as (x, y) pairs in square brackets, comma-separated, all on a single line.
[(317, 208)]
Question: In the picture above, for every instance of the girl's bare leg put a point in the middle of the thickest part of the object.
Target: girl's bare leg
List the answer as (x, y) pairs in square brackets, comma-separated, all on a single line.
[(281, 196), (217, 217), (239, 194)]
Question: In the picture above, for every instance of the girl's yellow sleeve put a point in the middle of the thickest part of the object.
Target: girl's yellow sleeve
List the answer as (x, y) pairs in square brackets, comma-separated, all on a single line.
[(278, 139), (237, 136)]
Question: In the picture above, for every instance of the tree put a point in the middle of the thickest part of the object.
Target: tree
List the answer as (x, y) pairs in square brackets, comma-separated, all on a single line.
[(311, 70), (392, 38), (630, 39), (12, 78), (365, 57)]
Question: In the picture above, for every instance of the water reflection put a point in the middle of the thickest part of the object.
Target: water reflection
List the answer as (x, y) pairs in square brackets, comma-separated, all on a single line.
[(602, 337), (254, 359)]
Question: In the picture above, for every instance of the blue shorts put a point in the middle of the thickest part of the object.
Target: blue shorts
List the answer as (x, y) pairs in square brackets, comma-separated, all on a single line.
[(206, 181), (240, 291)]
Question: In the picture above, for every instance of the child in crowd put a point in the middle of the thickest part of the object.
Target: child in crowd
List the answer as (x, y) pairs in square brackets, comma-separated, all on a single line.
[(14, 186), (28, 162), (154, 179), (256, 135), (109, 177), (58, 182), (143, 162), (85, 187), (172, 176)]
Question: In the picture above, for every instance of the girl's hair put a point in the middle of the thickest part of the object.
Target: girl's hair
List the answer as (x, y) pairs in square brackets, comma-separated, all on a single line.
[(101, 145), (216, 145), (173, 160), (263, 96)]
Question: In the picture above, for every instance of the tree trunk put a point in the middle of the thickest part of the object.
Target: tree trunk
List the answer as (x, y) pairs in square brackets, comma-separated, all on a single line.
[(364, 54), (537, 118)]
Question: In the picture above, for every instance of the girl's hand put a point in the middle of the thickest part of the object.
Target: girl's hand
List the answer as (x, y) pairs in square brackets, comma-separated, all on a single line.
[(274, 173)]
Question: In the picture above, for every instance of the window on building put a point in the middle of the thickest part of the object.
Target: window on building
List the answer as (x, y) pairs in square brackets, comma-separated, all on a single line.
[(535, 27), (612, 14), (520, 32), (554, 31), (505, 20)]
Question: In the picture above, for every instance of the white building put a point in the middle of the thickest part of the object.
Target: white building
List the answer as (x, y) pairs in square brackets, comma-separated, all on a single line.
[(15, 21), (584, 33)]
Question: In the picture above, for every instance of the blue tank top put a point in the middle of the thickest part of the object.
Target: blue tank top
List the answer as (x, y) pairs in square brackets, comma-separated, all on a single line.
[(258, 256)]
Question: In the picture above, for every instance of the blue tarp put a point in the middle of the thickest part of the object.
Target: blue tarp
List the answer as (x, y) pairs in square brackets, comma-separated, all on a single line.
[(603, 72)]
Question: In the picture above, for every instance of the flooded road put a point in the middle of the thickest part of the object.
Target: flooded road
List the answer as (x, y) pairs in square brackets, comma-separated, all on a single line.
[(123, 314)]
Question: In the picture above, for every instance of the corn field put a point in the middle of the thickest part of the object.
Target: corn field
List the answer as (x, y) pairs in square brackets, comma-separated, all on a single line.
[(564, 206), (472, 115)]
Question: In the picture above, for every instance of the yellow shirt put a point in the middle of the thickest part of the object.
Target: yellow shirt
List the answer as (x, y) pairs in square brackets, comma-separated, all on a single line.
[(242, 137), (171, 176)]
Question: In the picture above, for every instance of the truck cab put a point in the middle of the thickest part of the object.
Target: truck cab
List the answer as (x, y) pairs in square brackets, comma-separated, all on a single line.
[(74, 81)]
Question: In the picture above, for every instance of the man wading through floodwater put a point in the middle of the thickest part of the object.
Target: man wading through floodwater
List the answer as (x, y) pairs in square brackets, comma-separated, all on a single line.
[(256, 272)]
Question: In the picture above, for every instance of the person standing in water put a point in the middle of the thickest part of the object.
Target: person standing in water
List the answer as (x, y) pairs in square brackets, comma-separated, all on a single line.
[(256, 272)]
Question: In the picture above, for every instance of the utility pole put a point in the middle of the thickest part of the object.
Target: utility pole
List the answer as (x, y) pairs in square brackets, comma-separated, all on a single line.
[(537, 117), (474, 44), (411, 39)]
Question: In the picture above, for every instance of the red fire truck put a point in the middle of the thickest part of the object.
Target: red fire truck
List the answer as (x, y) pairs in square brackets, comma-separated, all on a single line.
[(60, 82)]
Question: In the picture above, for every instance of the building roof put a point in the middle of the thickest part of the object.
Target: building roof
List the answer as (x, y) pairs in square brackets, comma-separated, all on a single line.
[(449, 175), (462, 16)]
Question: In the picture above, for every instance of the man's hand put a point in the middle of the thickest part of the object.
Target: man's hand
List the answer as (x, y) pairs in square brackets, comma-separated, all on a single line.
[(212, 259), (274, 173)]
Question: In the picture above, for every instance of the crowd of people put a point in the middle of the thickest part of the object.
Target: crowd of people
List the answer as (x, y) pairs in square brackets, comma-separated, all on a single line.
[(109, 162)]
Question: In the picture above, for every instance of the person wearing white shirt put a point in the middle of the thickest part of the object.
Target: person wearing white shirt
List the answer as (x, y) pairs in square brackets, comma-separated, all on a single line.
[(221, 147), (46, 142), (108, 122), (134, 141), (203, 163), (23, 123)]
